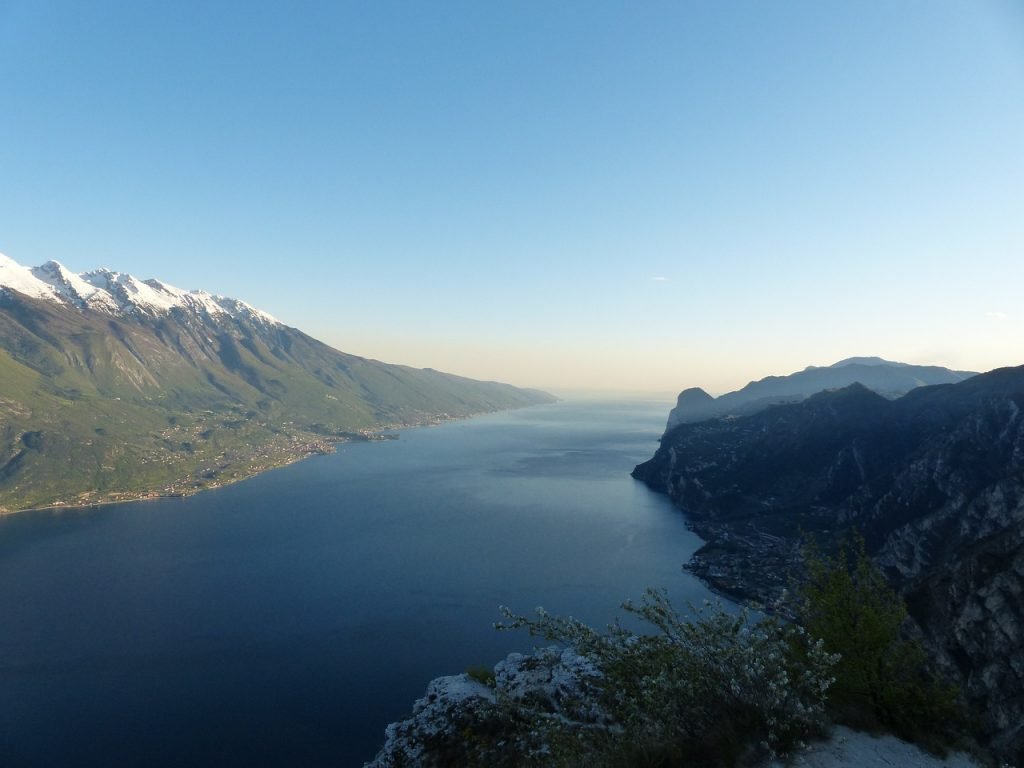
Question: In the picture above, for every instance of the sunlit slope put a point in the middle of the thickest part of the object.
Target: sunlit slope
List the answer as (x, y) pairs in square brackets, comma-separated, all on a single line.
[(93, 405)]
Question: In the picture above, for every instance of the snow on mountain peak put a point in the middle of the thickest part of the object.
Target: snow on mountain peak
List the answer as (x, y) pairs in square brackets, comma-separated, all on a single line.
[(15, 277), (70, 287), (116, 293)]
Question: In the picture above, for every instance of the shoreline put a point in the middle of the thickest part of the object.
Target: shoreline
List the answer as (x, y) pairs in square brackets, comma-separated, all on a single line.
[(155, 496), (326, 447)]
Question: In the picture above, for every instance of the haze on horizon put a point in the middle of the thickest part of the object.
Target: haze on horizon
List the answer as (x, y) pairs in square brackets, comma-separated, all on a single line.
[(567, 196)]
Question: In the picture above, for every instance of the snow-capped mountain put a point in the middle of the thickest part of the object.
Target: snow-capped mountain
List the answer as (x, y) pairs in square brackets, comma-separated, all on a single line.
[(111, 386), (117, 293)]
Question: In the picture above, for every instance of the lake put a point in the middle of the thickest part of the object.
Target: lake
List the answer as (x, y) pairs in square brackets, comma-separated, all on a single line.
[(285, 620)]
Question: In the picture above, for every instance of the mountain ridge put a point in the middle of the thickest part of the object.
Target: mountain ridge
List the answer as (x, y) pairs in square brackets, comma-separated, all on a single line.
[(115, 293), (143, 389), (889, 378)]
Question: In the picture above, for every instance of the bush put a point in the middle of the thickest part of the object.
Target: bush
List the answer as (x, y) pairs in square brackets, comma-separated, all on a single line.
[(701, 690), (482, 674), (881, 677)]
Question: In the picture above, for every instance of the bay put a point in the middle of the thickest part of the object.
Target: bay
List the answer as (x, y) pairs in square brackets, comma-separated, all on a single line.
[(287, 619)]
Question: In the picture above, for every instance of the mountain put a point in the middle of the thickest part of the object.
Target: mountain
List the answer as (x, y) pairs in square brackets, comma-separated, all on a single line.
[(883, 376), (113, 387), (933, 480)]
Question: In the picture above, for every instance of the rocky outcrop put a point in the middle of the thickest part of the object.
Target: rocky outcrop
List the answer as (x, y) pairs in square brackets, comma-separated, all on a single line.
[(498, 721), (693, 404), (464, 722), (933, 480)]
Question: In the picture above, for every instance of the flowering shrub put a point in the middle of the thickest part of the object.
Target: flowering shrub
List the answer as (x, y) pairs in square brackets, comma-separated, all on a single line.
[(703, 689)]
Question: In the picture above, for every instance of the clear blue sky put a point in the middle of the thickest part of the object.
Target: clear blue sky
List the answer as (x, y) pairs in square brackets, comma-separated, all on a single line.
[(560, 194)]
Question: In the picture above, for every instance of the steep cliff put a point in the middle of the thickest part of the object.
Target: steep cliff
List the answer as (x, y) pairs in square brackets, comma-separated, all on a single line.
[(935, 482)]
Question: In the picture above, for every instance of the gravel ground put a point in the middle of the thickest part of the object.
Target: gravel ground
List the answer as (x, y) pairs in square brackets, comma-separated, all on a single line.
[(852, 749)]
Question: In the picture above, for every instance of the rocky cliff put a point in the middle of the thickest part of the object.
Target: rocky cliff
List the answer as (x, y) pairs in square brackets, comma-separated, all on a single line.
[(935, 482)]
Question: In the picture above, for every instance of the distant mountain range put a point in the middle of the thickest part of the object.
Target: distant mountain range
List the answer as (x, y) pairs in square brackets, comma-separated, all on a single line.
[(885, 377), (113, 387), (934, 480)]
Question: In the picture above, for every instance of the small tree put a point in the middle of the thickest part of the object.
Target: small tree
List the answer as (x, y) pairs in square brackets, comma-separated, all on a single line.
[(881, 678)]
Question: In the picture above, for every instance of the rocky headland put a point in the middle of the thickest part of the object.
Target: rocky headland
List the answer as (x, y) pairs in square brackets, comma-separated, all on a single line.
[(933, 480), (480, 720)]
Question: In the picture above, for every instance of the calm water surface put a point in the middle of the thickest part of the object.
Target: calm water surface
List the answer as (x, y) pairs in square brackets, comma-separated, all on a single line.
[(287, 619)]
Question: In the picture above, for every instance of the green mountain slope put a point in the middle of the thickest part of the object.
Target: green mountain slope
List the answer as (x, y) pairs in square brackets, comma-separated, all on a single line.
[(97, 407)]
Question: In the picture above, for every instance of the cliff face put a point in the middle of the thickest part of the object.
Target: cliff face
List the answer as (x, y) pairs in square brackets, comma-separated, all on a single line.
[(972, 620), (933, 480)]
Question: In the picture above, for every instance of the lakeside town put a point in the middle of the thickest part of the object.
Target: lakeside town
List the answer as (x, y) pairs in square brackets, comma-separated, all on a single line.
[(240, 461), (747, 565)]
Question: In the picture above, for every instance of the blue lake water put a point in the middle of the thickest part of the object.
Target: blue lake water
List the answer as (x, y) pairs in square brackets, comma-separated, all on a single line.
[(287, 619)]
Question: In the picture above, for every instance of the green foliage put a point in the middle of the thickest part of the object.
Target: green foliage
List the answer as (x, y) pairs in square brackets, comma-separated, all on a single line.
[(482, 674), (881, 678), (699, 690)]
